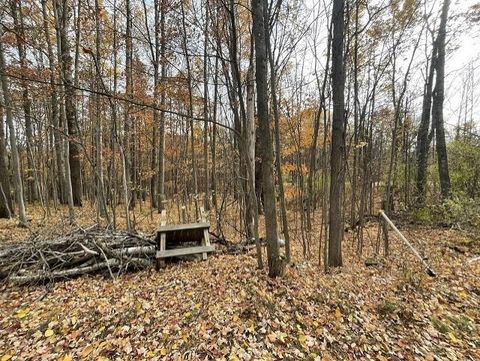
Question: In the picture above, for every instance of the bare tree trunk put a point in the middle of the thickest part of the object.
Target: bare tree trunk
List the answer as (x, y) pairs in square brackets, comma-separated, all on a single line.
[(13, 138), (423, 139), (250, 144), (437, 106), (161, 141), (128, 119), (5, 196), (55, 121), (99, 127), (190, 114), (205, 109), (278, 155), (64, 8), (337, 167), (31, 175), (275, 264)]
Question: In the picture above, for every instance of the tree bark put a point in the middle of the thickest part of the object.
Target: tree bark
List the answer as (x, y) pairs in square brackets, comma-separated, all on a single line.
[(13, 138), (31, 175), (423, 139), (5, 196), (64, 9), (437, 106), (161, 140), (337, 168), (275, 263)]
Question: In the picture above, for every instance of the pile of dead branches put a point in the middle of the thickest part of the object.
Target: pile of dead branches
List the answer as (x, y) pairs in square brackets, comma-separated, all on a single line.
[(82, 251)]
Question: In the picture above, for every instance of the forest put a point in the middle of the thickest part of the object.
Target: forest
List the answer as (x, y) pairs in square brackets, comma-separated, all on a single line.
[(239, 180)]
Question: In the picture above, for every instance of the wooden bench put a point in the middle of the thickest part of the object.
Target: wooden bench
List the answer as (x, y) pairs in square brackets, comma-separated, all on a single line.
[(178, 234)]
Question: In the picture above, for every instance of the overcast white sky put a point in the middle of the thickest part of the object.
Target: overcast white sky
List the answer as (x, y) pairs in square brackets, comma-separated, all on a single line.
[(457, 66)]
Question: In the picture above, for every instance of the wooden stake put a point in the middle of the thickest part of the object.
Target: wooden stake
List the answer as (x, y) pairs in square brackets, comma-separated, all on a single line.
[(428, 269)]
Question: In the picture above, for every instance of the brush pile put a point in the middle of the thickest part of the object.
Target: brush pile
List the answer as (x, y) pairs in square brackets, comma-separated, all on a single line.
[(42, 259)]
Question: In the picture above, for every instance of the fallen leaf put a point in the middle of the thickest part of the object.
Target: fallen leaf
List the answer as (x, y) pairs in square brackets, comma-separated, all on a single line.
[(87, 351), (21, 313), (452, 337), (338, 314), (302, 338), (48, 332)]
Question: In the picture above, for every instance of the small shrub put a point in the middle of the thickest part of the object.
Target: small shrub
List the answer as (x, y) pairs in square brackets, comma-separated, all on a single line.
[(422, 215)]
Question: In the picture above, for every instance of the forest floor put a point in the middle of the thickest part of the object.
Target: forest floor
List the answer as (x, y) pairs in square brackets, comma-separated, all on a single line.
[(226, 309)]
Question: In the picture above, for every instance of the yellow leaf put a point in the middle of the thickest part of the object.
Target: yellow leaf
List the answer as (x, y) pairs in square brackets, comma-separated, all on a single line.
[(187, 314), (22, 312), (302, 338), (87, 351), (6, 357), (282, 336), (150, 354), (452, 337), (48, 332), (67, 358), (338, 314), (235, 318), (163, 352)]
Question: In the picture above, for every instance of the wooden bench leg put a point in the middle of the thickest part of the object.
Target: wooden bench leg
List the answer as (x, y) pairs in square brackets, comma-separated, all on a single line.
[(162, 248), (205, 242), (161, 241)]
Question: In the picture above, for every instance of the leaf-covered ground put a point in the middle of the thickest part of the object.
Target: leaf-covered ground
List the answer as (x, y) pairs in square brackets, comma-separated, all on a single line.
[(226, 309)]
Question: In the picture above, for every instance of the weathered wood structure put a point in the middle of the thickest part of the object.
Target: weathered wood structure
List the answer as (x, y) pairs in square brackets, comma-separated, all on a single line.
[(181, 240)]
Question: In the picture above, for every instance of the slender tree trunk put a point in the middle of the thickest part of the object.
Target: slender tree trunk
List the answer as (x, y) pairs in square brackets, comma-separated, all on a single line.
[(190, 114), (161, 140), (278, 155), (7, 104), (437, 106), (5, 196), (27, 103), (423, 139), (64, 9), (250, 143), (99, 126), (55, 121), (129, 94), (337, 167), (205, 109), (275, 264)]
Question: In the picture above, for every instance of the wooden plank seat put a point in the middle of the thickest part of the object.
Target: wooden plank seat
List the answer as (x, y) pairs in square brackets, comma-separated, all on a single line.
[(182, 239), (184, 251)]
